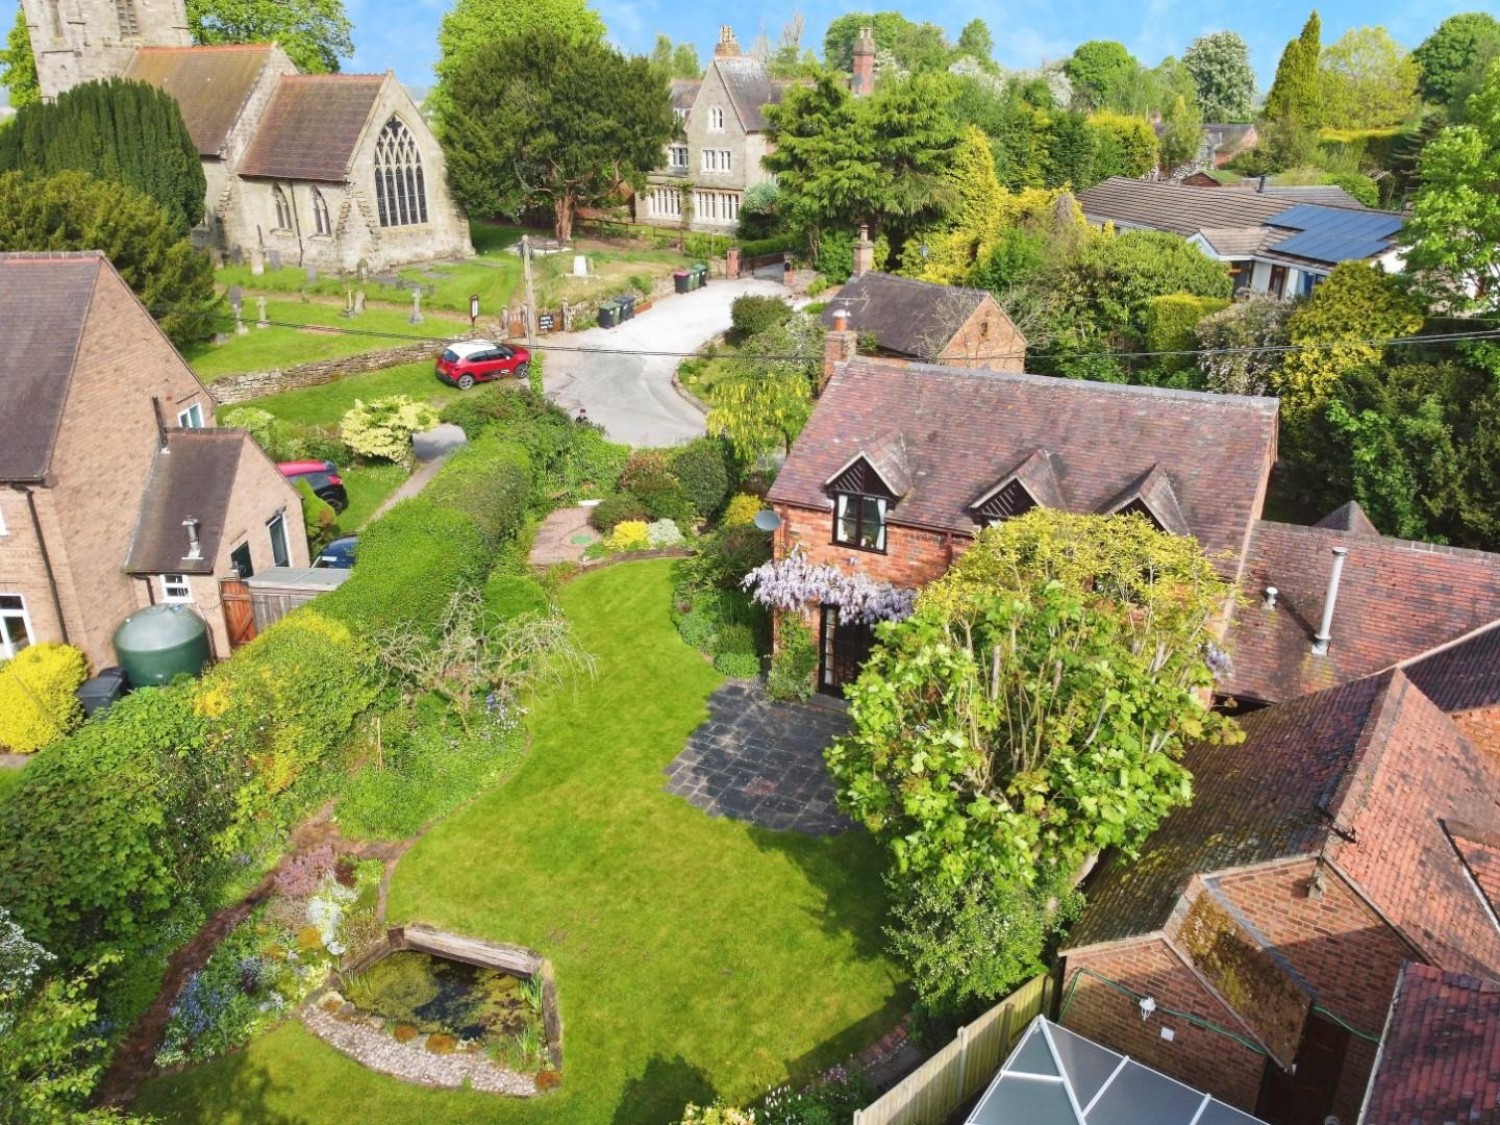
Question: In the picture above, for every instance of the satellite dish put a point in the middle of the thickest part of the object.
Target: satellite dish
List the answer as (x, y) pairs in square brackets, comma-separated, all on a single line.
[(767, 520)]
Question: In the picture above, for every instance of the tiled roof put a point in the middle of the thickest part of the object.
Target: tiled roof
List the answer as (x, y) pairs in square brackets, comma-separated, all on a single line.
[(965, 430), (1252, 803), (209, 83), (193, 477), (1174, 207), (1372, 775), (684, 91), (1463, 675), (44, 305), (750, 88), (906, 316), (312, 126), (1439, 1062), (1325, 195), (1396, 599), (1349, 517), (1236, 242)]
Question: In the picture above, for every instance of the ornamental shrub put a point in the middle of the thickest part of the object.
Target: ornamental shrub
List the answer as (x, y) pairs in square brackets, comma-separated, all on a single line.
[(616, 509), (738, 665), (383, 428), (318, 516), (663, 533), (795, 661), (752, 314), (490, 482), (1171, 321), (629, 535), (702, 467), (742, 510), (37, 704)]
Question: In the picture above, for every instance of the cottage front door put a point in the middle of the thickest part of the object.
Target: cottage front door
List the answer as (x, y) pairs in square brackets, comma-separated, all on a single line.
[(844, 646)]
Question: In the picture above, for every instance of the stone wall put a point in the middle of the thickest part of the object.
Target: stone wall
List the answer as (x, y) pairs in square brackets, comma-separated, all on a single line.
[(255, 384)]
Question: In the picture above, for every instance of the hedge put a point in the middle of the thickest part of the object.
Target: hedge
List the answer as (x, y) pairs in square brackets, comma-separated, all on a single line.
[(489, 481), (411, 562), (1170, 320), (754, 248)]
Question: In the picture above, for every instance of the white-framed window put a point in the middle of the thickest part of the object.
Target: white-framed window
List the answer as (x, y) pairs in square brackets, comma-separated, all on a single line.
[(680, 114), (175, 588), (400, 187), (276, 531), (716, 206), (859, 521), (191, 418), (666, 203), (15, 625), (715, 119), (283, 208), (717, 159), (677, 158)]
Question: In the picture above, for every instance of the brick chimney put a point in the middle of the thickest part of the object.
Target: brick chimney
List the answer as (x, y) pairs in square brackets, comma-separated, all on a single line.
[(839, 345), (864, 253), (728, 46), (863, 82)]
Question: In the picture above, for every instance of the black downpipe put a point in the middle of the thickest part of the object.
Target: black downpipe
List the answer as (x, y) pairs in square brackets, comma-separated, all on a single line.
[(41, 541)]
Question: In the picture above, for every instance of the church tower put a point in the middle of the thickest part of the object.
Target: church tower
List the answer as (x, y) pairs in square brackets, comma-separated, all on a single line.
[(77, 41)]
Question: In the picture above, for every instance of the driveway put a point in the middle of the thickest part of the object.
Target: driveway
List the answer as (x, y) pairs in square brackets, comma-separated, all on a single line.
[(629, 393)]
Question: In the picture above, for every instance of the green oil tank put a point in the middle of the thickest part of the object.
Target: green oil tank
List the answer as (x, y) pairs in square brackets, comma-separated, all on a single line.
[(158, 644)]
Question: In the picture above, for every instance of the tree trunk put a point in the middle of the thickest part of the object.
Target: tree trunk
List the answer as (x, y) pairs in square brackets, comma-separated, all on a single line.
[(563, 209)]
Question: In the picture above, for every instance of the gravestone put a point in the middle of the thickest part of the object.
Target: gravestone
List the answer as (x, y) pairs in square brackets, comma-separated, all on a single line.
[(257, 263), (261, 321), (236, 255), (416, 307), (312, 275), (274, 257), (359, 302), (580, 265)]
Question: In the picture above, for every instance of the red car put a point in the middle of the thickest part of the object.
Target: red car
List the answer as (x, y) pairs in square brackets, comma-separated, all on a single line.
[(478, 361)]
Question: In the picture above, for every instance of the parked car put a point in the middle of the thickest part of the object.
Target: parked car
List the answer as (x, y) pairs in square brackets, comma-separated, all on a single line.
[(478, 361), (338, 555), (322, 477)]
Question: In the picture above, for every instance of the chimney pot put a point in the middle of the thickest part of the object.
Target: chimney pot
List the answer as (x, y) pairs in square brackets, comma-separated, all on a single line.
[(1271, 593), (1323, 635), (841, 320)]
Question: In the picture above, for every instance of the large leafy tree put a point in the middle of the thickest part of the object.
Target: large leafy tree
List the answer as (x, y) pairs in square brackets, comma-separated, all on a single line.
[(1453, 57), (314, 33), (976, 42), (1100, 69), (130, 132), (1453, 233), (679, 61), (1123, 145), (72, 211), (1297, 92), (1368, 80), (763, 407), (1220, 65), (546, 120), (473, 24), (914, 47), (880, 161), (1182, 133), (1030, 713), (18, 65)]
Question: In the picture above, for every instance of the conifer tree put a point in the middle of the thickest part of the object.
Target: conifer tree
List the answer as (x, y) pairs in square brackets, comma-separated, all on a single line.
[(1296, 94)]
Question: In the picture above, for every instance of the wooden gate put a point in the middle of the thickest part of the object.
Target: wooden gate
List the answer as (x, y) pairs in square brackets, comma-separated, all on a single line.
[(239, 611)]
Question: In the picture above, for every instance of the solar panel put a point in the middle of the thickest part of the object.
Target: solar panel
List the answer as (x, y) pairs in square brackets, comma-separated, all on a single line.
[(1324, 246), (1338, 220)]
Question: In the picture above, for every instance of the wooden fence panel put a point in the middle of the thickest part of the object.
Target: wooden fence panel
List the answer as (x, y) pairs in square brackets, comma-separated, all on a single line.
[(932, 1092)]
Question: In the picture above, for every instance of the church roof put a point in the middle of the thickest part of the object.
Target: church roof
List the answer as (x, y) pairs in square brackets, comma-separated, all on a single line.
[(312, 127), (210, 84)]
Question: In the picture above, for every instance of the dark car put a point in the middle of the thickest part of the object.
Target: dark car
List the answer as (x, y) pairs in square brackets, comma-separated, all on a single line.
[(338, 555), (322, 477), (478, 361)]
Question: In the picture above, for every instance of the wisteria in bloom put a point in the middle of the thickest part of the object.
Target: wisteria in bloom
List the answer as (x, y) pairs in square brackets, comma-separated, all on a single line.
[(789, 584)]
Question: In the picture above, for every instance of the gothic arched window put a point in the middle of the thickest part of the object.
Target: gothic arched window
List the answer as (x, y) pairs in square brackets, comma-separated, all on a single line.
[(321, 222), (400, 193), (283, 208)]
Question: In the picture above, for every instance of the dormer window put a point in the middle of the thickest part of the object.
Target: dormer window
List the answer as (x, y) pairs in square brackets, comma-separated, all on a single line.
[(1005, 504), (859, 521), (864, 494), (1031, 484)]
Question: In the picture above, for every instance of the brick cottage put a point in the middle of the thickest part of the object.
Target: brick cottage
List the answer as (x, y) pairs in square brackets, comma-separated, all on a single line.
[(902, 464), (116, 490)]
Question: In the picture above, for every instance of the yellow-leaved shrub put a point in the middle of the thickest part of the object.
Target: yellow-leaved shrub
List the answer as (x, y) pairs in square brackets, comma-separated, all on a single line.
[(37, 704), (629, 535)]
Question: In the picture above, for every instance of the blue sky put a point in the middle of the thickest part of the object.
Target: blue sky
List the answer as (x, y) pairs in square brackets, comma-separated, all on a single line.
[(403, 37)]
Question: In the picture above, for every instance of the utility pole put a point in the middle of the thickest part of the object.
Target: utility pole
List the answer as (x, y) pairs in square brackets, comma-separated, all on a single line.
[(530, 294)]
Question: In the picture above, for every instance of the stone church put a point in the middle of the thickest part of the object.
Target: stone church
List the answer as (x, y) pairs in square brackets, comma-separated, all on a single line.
[(328, 170)]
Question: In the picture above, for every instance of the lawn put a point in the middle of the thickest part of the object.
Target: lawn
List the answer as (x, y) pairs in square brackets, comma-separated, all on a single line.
[(367, 486), (695, 957), (278, 346), (324, 405)]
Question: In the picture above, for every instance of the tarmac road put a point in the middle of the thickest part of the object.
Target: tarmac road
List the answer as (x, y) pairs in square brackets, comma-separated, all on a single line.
[(631, 395)]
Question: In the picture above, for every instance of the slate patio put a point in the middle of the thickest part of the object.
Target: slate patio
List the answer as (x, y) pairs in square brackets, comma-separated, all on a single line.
[(761, 761)]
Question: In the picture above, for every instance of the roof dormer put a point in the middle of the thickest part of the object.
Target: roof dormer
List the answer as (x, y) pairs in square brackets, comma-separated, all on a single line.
[(1031, 484), (1151, 495)]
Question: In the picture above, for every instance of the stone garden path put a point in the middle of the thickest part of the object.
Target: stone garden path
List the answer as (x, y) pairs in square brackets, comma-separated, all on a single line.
[(563, 537), (762, 761)]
